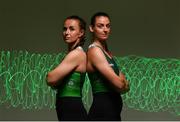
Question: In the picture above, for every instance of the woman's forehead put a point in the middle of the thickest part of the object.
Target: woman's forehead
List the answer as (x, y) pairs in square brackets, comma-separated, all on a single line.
[(73, 22), (102, 19)]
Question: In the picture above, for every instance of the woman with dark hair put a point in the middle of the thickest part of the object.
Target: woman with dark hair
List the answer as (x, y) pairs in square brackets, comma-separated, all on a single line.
[(69, 75), (106, 79)]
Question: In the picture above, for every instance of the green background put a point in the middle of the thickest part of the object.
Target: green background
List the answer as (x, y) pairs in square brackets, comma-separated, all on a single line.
[(149, 28)]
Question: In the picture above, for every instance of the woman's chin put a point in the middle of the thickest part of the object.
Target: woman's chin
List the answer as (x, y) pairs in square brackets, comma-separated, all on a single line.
[(68, 41), (103, 39)]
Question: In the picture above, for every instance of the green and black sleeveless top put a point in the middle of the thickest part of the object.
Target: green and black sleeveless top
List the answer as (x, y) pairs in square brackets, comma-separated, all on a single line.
[(71, 85), (98, 82)]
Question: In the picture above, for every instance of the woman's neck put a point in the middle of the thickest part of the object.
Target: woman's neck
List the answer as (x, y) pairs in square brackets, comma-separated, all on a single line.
[(72, 46), (103, 45), (100, 44)]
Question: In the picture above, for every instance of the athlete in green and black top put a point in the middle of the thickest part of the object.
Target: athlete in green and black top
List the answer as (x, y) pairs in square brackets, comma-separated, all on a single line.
[(106, 80), (68, 76), (98, 82)]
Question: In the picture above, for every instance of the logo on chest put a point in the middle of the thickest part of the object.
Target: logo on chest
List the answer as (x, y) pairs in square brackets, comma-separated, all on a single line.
[(111, 65)]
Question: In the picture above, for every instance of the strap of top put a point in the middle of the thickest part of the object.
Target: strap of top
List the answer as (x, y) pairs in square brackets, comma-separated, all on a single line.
[(79, 47), (93, 45)]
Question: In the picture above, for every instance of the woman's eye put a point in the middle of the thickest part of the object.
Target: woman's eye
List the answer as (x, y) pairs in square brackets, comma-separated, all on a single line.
[(108, 26), (100, 26), (64, 29), (71, 28)]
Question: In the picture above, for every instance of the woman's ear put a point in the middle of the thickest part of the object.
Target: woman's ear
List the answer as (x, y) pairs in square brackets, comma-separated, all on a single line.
[(91, 28), (82, 32)]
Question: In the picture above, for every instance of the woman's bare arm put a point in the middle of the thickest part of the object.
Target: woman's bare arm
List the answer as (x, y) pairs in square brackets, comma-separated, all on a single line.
[(70, 63), (98, 60)]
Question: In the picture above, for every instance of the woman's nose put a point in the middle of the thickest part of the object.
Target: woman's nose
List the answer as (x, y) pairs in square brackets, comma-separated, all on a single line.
[(67, 31), (105, 29)]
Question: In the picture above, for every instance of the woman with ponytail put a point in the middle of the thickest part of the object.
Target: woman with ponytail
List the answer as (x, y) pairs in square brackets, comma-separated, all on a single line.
[(69, 75), (106, 80)]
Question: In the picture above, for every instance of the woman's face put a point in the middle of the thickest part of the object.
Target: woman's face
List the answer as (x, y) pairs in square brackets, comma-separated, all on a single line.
[(72, 31), (101, 28)]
